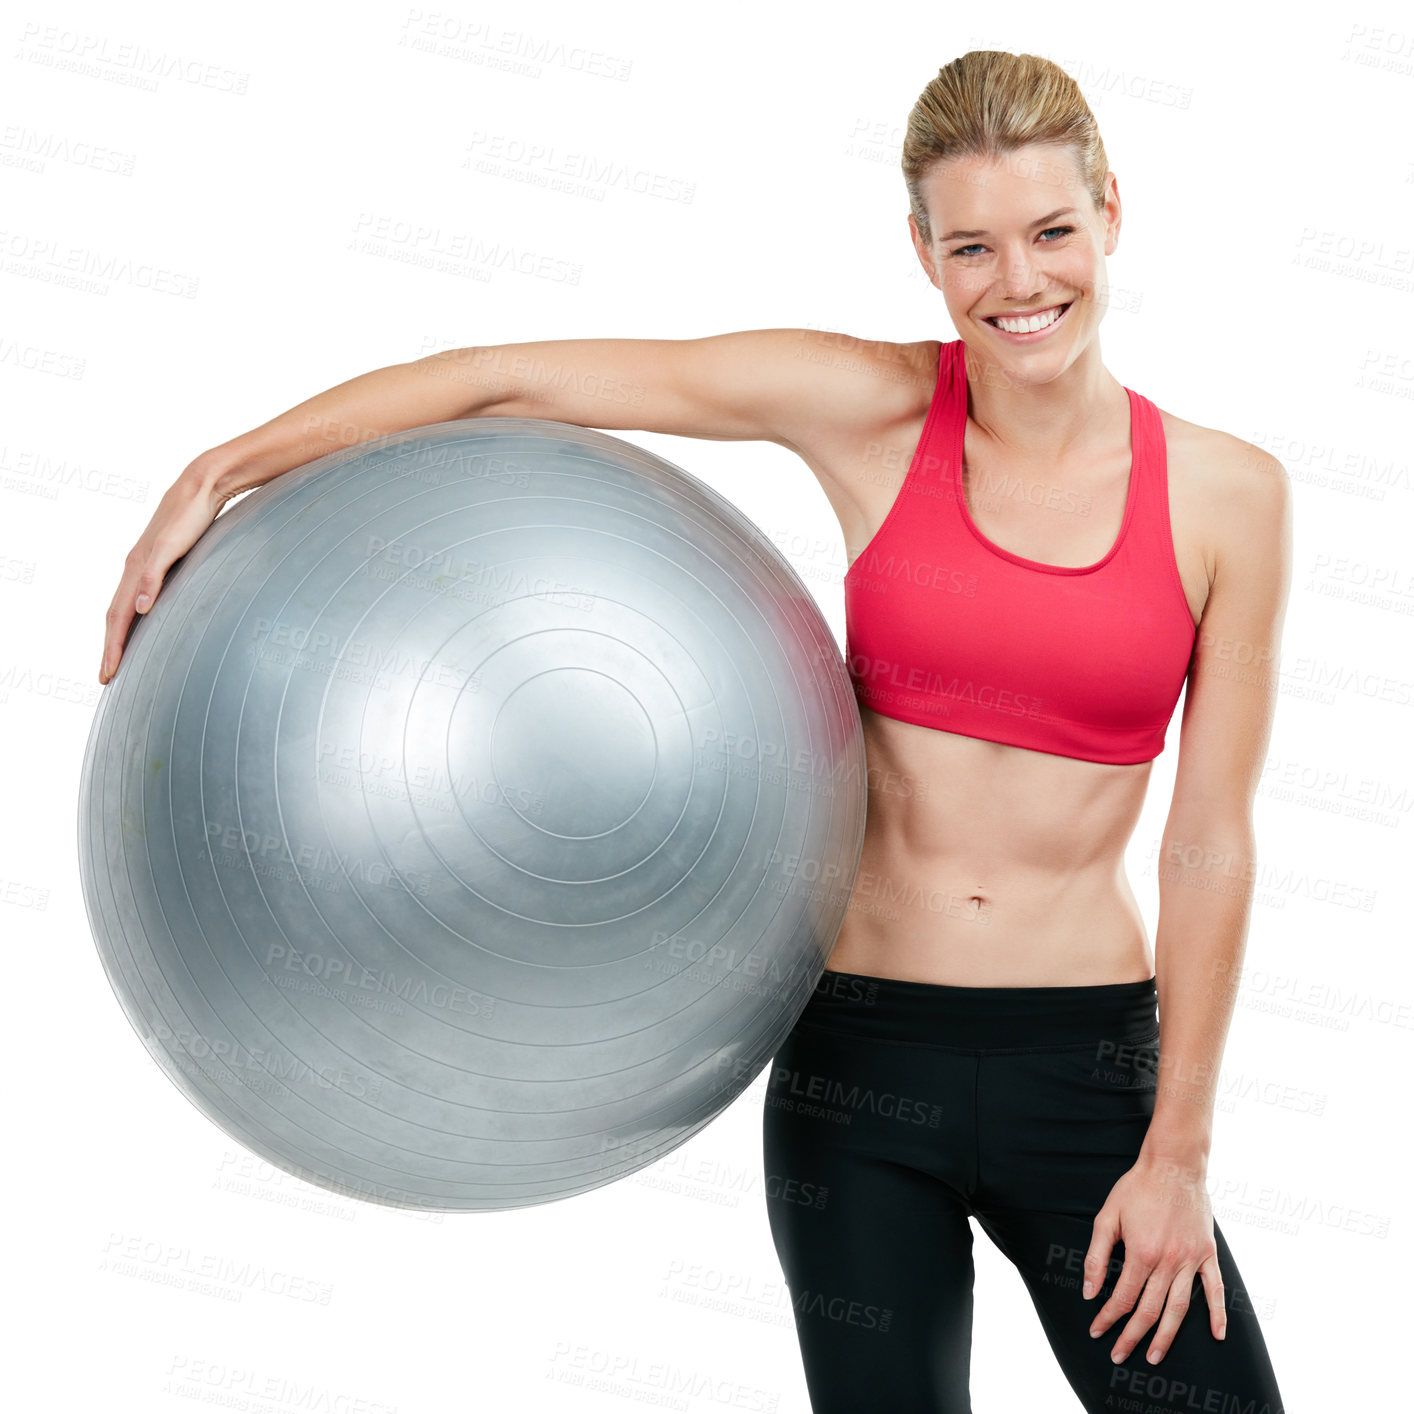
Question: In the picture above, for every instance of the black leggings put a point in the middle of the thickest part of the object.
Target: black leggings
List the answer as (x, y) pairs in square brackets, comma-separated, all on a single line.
[(897, 1110)]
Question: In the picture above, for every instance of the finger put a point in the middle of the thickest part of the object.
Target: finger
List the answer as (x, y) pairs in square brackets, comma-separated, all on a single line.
[(1097, 1256), (120, 615), (148, 583), (1213, 1290), (1180, 1297), (136, 591), (1128, 1289), (1149, 1309)]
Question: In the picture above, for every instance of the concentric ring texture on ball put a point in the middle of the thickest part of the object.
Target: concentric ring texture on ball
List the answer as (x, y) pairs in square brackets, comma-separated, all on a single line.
[(472, 814)]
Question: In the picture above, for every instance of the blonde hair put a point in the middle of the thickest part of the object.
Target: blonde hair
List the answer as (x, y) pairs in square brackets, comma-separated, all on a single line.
[(988, 103)]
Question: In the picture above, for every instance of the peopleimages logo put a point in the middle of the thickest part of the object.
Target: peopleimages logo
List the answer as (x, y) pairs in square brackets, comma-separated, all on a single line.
[(844, 1309), (890, 569), (891, 682), (806, 1093)]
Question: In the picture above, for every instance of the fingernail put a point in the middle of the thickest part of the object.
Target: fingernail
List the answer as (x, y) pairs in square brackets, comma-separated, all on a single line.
[(1089, 1289), (1154, 1356), (1116, 1356), (1094, 1333), (143, 601), (1222, 1331)]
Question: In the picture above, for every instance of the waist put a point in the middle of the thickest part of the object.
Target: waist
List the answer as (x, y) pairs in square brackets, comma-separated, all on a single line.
[(981, 1018), (962, 805)]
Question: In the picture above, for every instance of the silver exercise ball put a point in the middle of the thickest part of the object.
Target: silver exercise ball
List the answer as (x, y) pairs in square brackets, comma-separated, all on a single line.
[(472, 814)]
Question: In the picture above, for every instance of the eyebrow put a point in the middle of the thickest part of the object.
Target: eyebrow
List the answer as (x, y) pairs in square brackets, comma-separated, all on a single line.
[(1040, 221)]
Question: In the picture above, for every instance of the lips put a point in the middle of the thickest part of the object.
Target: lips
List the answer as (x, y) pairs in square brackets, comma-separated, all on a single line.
[(1030, 314)]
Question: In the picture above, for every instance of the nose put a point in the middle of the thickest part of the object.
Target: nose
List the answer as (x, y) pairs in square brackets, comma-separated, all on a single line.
[(1018, 278)]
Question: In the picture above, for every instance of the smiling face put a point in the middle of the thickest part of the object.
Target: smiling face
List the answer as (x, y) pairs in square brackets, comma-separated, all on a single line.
[(1017, 236)]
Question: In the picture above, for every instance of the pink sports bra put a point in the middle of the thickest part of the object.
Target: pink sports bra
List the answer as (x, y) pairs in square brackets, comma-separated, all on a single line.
[(947, 630)]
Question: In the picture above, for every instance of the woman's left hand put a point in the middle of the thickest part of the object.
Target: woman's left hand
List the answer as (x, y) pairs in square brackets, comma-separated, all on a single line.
[(1160, 1210)]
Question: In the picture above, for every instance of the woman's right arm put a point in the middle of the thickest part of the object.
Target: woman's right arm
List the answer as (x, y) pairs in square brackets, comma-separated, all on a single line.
[(753, 385)]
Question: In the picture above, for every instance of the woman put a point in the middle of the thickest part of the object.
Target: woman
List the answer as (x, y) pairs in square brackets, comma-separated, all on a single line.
[(1044, 559)]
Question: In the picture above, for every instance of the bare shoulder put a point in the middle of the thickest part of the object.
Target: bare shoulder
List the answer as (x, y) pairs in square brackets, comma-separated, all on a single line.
[(857, 416), (1222, 464), (1226, 490), (867, 367), (851, 386)]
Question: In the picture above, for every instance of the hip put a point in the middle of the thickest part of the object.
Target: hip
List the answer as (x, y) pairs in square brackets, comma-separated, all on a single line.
[(1021, 1096), (946, 1016)]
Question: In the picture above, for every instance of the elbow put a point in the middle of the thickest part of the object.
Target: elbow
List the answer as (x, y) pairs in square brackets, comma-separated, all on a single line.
[(1208, 846)]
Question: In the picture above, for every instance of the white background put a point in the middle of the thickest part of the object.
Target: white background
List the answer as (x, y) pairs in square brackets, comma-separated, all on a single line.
[(1262, 286)]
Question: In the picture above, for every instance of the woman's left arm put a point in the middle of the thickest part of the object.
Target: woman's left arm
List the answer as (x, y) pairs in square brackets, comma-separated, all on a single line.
[(1207, 867)]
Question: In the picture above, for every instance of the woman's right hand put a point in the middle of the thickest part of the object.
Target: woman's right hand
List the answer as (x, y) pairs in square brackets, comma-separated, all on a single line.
[(778, 385), (186, 509)]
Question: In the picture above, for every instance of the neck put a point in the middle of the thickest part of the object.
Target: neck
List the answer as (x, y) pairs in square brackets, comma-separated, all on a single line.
[(1045, 422)]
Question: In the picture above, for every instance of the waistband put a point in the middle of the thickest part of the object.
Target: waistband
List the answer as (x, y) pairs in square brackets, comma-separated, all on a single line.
[(981, 1018)]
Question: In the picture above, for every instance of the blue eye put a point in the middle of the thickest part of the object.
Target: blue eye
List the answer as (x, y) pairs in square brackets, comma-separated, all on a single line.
[(1064, 230)]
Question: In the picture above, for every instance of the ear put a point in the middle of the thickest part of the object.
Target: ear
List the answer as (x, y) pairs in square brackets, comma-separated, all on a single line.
[(1113, 215), (925, 256)]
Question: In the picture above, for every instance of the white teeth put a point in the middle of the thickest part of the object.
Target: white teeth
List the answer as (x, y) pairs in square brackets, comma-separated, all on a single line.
[(1029, 326)]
